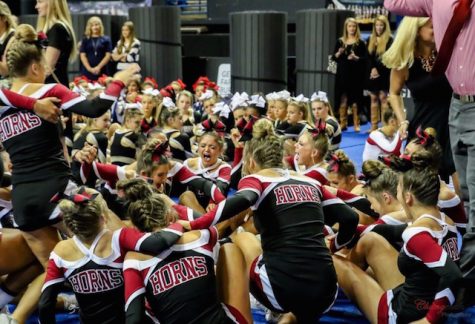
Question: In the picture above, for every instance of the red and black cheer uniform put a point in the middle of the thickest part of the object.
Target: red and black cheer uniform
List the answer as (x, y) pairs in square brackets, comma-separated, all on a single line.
[(315, 172), (220, 176), (124, 146), (39, 167), (179, 144), (455, 210), (95, 138), (179, 285), (428, 261), (178, 176), (98, 282), (290, 212)]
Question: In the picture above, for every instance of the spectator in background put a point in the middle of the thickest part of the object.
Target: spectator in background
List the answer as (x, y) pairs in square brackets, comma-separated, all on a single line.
[(7, 30), (128, 47), (54, 19), (350, 53), (411, 58), (95, 51), (378, 83)]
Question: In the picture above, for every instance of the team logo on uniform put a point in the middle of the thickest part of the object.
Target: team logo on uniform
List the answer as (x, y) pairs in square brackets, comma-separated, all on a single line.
[(451, 247), (178, 272), (17, 123), (96, 280), (290, 194)]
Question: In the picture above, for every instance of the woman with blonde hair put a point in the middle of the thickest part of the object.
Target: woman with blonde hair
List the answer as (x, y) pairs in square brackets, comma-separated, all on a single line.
[(350, 53), (7, 30), (95, 51), (128, 47), (411, 58), (54, 19), (378, 84)]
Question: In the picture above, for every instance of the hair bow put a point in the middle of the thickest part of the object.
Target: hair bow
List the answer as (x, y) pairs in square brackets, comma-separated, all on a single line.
[(334, 163), (202, 80), (246, 133), (181, 83), (159, 151), (241, 124), (212, 85), (151, 81), (404, 165), (168, 91), (42, 40), (300, 98), (222, 110), (80, 79), (95, 86), (271, 96), (208, 94), (320, 128), (79, 198), (168, 102), (103, 79), (151, 92), (257, 101), (239, 100), (209, 126), (320, 96), (283, 95), (423, 138)]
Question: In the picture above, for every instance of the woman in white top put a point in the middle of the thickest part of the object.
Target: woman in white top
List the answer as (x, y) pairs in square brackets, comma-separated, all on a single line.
[(128, 47)]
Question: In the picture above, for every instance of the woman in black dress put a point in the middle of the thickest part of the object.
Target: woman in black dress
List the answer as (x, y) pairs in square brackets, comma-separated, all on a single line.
[(378, 83), (411, 65), (54, 20), (350, 53)]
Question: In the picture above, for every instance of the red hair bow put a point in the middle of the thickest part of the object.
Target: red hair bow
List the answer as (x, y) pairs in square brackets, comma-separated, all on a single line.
[(80, 198), (102, 79), (334, 163), (159, 151), (209, 126), (423, 137), (181, 83), (151, 81), (78, 79), (168, 91), (202, 80), (320, 128)]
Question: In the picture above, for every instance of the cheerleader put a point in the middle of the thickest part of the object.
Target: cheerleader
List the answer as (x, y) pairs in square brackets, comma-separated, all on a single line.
[(310, 151), (209, 165), (384, 141), (126, 139), (289, 212), (322, 110), (94, 135), (172, 122), (149, 103), (37, 152), (429, 275), (281, 101), (342, 173), (200, 292), (92, 260)]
